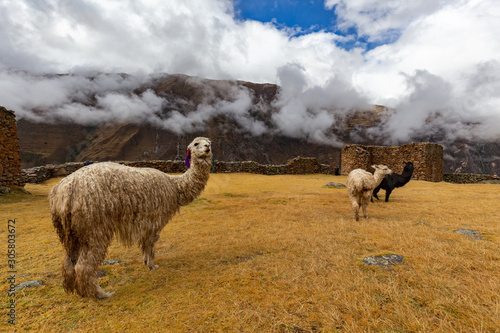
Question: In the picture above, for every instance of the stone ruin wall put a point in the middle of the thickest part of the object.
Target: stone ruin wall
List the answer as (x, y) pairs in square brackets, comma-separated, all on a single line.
[(427, 159), (296, 166), (10, 156)]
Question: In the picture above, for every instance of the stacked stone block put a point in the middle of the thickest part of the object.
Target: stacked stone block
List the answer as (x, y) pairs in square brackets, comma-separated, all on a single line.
[(10, 156)]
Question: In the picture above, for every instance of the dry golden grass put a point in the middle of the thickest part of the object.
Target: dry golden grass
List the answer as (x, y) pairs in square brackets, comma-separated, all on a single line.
[(278, 254)]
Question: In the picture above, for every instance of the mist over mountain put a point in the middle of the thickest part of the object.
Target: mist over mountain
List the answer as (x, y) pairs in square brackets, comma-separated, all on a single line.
[(98, 116)]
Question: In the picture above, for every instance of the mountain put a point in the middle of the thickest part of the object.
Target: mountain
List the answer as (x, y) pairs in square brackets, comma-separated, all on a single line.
[(240, 118)]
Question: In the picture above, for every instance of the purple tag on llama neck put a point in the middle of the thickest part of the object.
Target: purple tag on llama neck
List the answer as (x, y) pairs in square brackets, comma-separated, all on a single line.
[(188, 159)]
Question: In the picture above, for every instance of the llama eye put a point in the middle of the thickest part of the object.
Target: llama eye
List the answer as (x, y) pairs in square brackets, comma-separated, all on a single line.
[(195, 144)]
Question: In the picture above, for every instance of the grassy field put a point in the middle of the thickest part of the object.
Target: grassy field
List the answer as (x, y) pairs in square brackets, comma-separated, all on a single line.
[(277, 254)]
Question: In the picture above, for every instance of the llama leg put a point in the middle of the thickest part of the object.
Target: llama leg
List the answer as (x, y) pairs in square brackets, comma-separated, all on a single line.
[(68, 273), (85, 270), (148, 249), (387, 194), (364, 202), (375, 192), (355, 210), (354, 205), (68, 266)]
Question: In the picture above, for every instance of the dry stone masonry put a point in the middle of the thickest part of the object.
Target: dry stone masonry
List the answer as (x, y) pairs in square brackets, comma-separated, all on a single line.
[(10, 157), (427, 159), (295, 166), (468, 178), (298, 165)]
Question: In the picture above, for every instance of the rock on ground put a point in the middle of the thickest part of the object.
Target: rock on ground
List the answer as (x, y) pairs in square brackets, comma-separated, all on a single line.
[(384, 261)]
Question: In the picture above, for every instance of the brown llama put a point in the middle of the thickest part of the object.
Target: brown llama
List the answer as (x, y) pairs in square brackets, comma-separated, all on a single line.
[(360, 185), (101, 200)]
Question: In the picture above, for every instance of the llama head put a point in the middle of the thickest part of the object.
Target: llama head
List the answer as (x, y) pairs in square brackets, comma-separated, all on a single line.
[(200, 148), (408, 166), (383, 168)]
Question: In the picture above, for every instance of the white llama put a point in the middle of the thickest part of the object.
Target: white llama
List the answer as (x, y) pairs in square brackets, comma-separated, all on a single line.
[(360, 185), (101, 200)]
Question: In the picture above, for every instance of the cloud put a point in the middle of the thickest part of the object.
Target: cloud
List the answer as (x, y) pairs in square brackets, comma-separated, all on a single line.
[(428, 97), (447, 43), (434, 107), (198, 38), (381, 21), (48, 97), (100, 98), (238, 109), (117, 35), (311, 112)]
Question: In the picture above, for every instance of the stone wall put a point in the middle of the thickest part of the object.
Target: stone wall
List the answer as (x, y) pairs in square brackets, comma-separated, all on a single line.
[(295, 166), (427, 159), (469, 178), (10, 157)]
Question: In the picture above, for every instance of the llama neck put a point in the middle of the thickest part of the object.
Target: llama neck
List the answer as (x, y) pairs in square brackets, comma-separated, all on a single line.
[(193, 181), (378, 176), (407, 173)]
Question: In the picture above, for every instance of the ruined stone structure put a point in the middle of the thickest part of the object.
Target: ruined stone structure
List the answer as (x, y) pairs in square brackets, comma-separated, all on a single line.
[(427, 159), (10, 156)]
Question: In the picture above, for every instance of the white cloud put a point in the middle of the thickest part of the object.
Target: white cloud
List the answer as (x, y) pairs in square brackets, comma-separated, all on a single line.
[(447, 43), (382, 20), (51, 94), (196, 37), (309, 112)]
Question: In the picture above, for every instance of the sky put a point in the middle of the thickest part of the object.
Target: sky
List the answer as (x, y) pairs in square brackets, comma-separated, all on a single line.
[(428, 59), (307, 16)]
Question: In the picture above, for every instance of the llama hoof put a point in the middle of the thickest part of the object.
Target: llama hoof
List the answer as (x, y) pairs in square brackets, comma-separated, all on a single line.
[(152, 268)]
